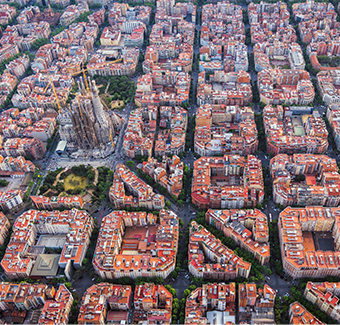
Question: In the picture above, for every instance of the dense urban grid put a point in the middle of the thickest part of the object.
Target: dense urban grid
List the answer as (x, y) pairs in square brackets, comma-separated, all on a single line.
[(168, 162)]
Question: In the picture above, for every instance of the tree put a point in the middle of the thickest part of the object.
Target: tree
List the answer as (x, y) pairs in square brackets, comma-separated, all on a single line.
[(90, 176), (173, 274), (3, 183), (300, 178), (68, 285), (196, 281), (85, 261), (83, 17), (130, 164), (168, 203), (171, 290), (186, 293), (39, 42), (60, 187), (192, 287)]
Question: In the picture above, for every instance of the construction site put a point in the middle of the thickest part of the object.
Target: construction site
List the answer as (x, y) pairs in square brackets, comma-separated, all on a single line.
[(86, 126)]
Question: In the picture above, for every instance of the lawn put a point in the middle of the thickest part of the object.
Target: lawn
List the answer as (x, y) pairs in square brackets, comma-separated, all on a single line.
[(73, 181)]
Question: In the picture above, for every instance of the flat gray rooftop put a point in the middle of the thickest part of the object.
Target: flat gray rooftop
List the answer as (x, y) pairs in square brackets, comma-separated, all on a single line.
[(53, 241)]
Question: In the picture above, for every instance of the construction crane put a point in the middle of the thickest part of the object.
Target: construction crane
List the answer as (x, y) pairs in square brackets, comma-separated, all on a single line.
[(55, 93), (111, 138), (84, 75)]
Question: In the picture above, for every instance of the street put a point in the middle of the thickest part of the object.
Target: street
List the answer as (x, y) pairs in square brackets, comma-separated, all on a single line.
[(187, 212)]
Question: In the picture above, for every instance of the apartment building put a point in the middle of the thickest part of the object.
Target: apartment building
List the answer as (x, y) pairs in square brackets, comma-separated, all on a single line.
[(57, 311), (256, 305), (153, 304), (7, 51), (168, 173), (300, 315), (12, 166), (41, 130), (329, 48), (229, 182), (170, 56), (102, 62), (270, 22), (319, 183), (248, 228), (168, 10), (7, 83), (30, 229), (18, 66), (228, 88), (72, 12), (163, 88), (18, 299), (172, 134), (140, 131), (27, 14), (142, 196), (211, 301), (137, 244), (7, 13), (63, 3), (328, 83), (222, 129), (165, 32), (222, 26), (290, 87), (11, 199), (140, 135), (16, 147), (322, 37), (235, 56), (63, 60), (298, 233), (310, 9), (322, 295), (119, 32), (270, 15), (97, 17), (281, 53), (294, 130), (57, 202), (223, 263), (318, 26), (4, 228), (110, 37), (24, 35), (32, 91), (128, 25), (333, 116), (77, 34), (122, 13), (25, 125), (221, 23), (105, 303)]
